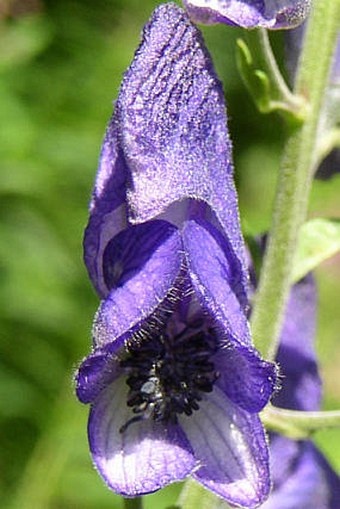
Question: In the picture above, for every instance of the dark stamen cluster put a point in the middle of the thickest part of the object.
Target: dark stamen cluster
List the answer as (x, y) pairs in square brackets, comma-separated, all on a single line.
[(166, 376)]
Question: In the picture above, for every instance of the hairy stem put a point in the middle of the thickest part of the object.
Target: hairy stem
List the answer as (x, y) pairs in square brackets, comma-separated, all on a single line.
[(295, 178), (133, 503), (297, 424)]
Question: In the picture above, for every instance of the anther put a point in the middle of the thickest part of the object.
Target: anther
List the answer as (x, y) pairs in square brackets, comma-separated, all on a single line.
[(167, 376)]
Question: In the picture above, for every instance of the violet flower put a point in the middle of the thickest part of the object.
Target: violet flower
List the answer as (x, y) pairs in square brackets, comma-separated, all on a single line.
[(271, 14), (173, 381), (302, 477)]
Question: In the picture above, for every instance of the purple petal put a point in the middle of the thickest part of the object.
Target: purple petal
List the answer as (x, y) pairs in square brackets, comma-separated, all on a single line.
[(130, 250), (249, 13), (301, 385), (107, 208), (143, 458), (173, 126), (217, 278), (301, 475), (96, 372), (143, 287), (231, 448), (310, 482), (245, 378), (283, 454)]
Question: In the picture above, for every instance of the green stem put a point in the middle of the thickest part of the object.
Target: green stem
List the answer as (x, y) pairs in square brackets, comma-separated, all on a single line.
[(133, 503), (295, 178), (282, 98), (297, 424)]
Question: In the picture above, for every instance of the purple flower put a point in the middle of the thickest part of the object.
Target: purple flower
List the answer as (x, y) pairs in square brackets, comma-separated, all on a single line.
[(249, 13), (173, 380), (302, 477)]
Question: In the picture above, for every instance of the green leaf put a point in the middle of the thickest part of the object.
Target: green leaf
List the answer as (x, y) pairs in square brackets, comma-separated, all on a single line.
[(255, 79), (261, 75), (319, 240)]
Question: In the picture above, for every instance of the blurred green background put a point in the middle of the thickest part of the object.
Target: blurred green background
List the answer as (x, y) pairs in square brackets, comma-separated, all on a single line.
[(61, 63)]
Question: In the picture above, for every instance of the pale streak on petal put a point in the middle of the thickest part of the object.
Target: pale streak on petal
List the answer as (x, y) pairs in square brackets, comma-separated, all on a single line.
[(231, 448), (142, 459)]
